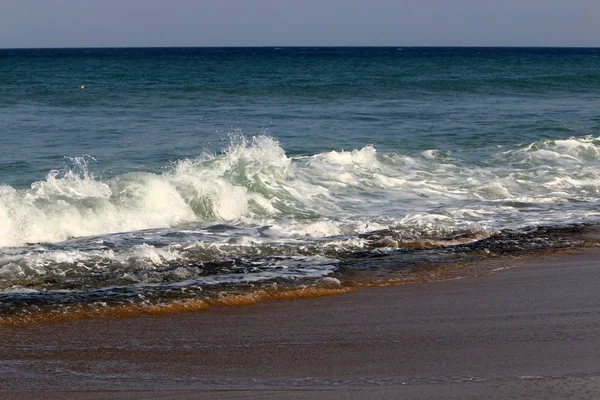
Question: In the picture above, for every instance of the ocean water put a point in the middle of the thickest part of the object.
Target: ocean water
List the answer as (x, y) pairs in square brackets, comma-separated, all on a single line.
[(154, 176)]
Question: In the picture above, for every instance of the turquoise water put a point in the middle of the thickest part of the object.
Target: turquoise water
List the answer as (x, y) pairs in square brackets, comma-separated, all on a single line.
[(174, 171)]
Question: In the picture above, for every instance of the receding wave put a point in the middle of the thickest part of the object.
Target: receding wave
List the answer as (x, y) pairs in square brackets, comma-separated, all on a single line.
[(83, 311)]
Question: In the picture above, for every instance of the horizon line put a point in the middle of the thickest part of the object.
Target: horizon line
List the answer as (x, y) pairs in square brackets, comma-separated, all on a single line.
[(301, 46)]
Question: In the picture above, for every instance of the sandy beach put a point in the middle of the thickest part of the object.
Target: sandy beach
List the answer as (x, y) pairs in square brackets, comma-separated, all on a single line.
[(532, 331)]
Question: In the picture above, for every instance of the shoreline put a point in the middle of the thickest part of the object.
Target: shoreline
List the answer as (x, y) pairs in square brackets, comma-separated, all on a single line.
[(375, 272), (532, 330)]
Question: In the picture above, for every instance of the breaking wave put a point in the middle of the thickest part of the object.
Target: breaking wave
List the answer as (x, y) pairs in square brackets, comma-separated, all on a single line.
[(253, 182)]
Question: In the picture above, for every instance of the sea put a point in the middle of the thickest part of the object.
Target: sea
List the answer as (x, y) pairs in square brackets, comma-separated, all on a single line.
[(142, 180)]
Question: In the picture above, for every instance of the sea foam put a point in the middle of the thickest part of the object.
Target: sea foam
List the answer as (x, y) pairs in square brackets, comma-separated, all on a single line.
[(254, 182)]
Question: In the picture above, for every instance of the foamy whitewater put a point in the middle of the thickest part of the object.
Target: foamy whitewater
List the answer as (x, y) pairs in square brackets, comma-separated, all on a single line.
[(205, 220)]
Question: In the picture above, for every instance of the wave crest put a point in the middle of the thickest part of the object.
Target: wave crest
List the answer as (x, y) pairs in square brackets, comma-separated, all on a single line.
[(254, 182)]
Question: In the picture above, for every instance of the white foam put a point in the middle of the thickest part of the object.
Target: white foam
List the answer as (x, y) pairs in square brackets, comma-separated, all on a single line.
[(365, 157), (325, 195)]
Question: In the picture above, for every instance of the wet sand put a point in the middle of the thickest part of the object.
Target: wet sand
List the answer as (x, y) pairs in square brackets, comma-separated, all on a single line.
[(531, 332)]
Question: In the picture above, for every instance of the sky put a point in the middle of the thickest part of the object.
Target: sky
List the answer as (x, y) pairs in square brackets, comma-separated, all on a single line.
[(132, 23)]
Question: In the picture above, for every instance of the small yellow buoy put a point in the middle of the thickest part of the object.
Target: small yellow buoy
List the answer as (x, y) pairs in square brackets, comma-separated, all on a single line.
[(81, 87)]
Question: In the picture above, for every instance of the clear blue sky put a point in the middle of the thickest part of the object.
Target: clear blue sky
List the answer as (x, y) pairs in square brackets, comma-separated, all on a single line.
[(111, 23)]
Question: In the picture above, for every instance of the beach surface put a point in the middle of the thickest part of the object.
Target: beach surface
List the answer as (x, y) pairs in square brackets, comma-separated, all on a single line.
[(529, 331)]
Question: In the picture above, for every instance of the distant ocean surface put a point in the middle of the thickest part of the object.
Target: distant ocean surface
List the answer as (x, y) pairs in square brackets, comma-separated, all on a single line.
[(158, 176)]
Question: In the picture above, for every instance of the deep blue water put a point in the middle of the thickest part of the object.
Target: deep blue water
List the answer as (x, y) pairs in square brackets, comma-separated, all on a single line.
[(172, 162), (142, 108)]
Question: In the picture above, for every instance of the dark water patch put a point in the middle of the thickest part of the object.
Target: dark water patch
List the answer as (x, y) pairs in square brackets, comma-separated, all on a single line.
[(415, 262)]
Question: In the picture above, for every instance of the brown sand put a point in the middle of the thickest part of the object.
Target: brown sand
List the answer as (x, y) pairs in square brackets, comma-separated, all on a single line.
[(529, 332)]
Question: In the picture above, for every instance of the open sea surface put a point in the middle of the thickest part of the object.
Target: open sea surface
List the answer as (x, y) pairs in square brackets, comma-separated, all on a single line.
[(157, 176)]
